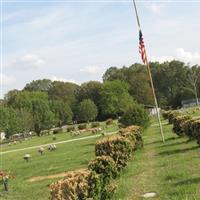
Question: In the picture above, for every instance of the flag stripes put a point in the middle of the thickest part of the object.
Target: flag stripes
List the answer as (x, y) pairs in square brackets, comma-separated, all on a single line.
[(142, 50)]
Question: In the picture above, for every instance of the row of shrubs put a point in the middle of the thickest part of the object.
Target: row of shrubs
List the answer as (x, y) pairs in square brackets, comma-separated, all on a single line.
[(84, 126), (184, 125), (97, 181)]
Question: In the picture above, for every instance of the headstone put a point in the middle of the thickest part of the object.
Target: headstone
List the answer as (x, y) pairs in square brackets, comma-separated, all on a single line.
[(149, 195)]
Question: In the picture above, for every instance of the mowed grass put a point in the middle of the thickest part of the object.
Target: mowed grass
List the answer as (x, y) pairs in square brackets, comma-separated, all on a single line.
[(67, 157), (171, 169)]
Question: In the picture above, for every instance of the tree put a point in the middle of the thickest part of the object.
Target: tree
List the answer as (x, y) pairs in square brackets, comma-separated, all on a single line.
[(136, 115), (115, 99), (64, 91), (139, 85), (168, 81), (114, 73), (62, 111), (87, 111), (137, 78), (9, 121), (39, 85), (90, 90), (43, 118), (193, 78)]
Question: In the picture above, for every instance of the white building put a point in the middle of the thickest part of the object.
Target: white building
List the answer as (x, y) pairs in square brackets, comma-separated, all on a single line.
[(2, 136)]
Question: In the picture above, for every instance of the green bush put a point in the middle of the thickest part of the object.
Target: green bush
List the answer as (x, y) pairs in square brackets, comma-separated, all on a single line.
[(82, 126), (95, 124), (71, 128), (196, 130), (165, 114), (188, 128), (75, 185), (136, 115), (105, 166), (117, 147), (172, 115), (178, 122), (109, 121), (57, 130), (134, 134)]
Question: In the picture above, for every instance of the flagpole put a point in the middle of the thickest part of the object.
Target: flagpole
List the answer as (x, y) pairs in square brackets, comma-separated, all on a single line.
[(151, 80)]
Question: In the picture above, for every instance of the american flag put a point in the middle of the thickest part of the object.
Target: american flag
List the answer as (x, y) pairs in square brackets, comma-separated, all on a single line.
[(142, 48)]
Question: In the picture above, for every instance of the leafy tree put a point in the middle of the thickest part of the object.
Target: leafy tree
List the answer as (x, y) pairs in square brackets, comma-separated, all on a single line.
[(64, 91), (137, 78), (11, 96), (22, 99), (136, 115), (139, 85), (43, 118), (87, 111), (192, 81), (39, 85), (115, 99), (90, 90), (114, 73), (168, 81), (62, 111)]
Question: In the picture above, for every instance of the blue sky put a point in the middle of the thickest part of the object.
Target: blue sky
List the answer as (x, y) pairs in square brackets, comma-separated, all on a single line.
[(78, 41)]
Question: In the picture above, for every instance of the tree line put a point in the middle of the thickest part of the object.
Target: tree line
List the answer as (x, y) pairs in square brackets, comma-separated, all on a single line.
[(43, 104)]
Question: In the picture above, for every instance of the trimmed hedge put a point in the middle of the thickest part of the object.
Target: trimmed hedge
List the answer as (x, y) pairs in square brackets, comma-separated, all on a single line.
[(95, 124), (82, 126), (109, 121), (71, 128), (184, 125), (76, 185), (178, 122), (134, 133), (97, 182), (117, 147)]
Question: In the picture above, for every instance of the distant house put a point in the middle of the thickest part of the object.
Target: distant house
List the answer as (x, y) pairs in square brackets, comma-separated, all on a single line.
[(189, 103)]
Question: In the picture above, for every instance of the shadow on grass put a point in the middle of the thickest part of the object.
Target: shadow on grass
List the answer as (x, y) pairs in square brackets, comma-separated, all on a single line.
[(175, 151), (160, 141), (188, 181), (173, 144)]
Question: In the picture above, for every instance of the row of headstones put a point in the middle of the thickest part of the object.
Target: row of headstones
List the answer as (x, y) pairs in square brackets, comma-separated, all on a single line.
[(51, 147)]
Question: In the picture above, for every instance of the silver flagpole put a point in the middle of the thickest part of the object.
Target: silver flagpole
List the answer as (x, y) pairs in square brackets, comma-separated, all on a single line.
[(151, 80)]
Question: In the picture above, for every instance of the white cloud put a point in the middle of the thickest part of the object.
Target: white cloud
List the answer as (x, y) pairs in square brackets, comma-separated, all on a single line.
[(55, 78), (179, 54), (28, 61), (161, 58), (6, 80), (188, 57), (156, 8), (91, 70)]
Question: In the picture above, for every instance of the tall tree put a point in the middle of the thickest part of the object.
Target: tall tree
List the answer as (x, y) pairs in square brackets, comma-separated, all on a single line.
[(39, 85), (87, 111), (43, 118), (63, 91), (192, 81), (62, 111), (115, 99)]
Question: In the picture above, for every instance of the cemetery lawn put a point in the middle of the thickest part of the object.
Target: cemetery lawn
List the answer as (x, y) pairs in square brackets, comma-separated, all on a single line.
[(172, 169), (67, 157), (169, 169)]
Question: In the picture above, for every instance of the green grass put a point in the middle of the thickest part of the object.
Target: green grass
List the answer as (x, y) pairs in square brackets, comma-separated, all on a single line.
[(35, 141), (67, 157), (170, 169)]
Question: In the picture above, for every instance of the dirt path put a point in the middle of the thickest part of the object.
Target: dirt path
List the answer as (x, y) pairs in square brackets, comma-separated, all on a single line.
[(52, 176)]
